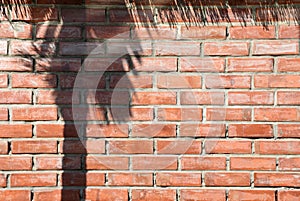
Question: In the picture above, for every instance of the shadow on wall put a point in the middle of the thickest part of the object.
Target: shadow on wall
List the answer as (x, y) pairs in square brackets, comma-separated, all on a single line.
[(64, 63), (200, 13), (172, 12)]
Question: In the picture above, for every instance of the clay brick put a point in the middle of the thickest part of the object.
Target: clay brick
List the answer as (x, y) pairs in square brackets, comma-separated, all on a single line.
[(227, 179), (178, 179)]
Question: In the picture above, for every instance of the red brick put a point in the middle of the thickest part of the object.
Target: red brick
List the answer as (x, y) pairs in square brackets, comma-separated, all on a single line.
[(202, 195), (177, 14), (250, 130), (178, 179), (250, 98), (57, 65), (288, 130), (15, 131), (256, 2), (17, 195), (15, 163), (3, 148), (154, 34), (58, 163), (178, 146), (3, 47), (15, 64), (56, 130), (132, 114), (82, 179), (270, 47), (287, 1), (153, 98), (56, 195), (34, 147), (276, 179), (287, 195), (203, 163), (228, 147), (106, 64), (36, 14), (115, 64), (177, 48), (82, 15), (288, 65), (231, 14), (127, 81), (277, 147), (252, 32), (178, 81), (57, 97), (59, 2), (179, 114), (135, 49), (107, 131), (154, 163), (227, 179), (122, 15), (254, 195), (130, 179), (83, 81), (209, 32), (3, 180), (81, 147), (16, 30), (4, 16), (289, 32), (288, 98), (153, 130), (106, 194), (3, 114), (36, 179), (252, 163), (276, 114), (80, 48), (34, 113), (32, 48), (15, 97), (289, 164), (227, 81), (250, 65), (183, 14), (58, 31), (107, 163), (83, 113), (197, 64), (153, 194), (5, 2), (108, 32), (202, 98), (277, 81), (202, 130), (228, 114), (3, 81), (155, 64), (33, 81), (130, 147), (100, 2), (226, 48)]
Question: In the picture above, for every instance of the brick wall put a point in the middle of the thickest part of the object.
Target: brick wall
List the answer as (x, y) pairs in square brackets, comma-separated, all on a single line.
[(149, 100)]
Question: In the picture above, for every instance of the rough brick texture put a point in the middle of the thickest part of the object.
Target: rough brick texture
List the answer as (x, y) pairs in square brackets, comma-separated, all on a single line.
[(153, 100)]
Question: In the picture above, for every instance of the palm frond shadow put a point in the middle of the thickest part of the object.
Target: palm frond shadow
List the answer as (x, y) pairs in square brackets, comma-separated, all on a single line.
[(201, 13)]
